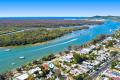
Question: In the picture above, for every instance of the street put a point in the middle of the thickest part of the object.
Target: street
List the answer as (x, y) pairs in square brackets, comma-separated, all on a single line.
[(107, 65)]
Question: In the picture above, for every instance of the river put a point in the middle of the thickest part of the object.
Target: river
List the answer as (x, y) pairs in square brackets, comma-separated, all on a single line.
[(31, 52)]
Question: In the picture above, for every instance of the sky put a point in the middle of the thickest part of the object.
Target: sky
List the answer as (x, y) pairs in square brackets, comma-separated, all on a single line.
[(59, 8)]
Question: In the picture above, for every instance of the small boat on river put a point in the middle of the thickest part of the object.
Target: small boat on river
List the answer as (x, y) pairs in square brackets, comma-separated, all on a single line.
[(21, 57), (7, 50), (110, 30), (12, 63)]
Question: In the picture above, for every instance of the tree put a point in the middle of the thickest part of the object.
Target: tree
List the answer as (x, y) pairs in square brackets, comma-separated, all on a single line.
[(113, 64), (79, 58), (113, 53), (83, 76), (79, 77), (2, 77), (30, 77)]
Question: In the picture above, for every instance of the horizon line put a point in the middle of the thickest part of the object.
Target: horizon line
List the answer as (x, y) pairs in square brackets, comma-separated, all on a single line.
[(52, 16)]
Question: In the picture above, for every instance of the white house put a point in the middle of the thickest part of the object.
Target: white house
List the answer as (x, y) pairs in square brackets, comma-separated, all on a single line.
[(85, 50), (34, 70), (22, 77)]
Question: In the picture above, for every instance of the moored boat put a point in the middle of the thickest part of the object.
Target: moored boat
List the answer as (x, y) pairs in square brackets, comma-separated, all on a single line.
[(22, 57), (12, 63), (7, 50)]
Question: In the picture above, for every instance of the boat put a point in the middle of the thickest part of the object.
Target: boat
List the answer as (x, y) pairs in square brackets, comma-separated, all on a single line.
[(22, 57), (7, 50), (110, 30), (13, 63)]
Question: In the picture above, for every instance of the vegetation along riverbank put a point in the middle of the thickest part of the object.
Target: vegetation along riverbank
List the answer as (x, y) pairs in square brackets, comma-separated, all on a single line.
[(34, 36)]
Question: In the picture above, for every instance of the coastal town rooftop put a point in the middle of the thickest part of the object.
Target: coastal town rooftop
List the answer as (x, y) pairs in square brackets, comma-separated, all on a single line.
[(112, 73), (22, 77)]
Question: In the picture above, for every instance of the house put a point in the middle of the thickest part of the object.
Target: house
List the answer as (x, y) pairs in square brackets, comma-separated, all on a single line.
[(32, 71), (86, 63), (96, 62), (92, 46), (107, 39), (74, 65), (65, 67), (75, 72), (112, 73), (45, 65), (22, 77), (105, 78), (67, 58), (85, 50), (84, 67), (49, 75), (101, 52), (118, 66), (101, 58)]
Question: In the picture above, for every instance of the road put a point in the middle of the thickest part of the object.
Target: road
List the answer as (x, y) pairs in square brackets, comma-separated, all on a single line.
[(103, 68)]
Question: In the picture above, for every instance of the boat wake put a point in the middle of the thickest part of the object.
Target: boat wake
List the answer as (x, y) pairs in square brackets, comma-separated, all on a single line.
[(58, 44)]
